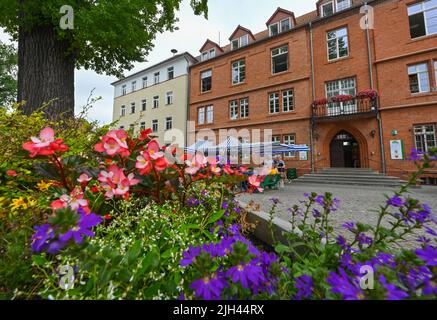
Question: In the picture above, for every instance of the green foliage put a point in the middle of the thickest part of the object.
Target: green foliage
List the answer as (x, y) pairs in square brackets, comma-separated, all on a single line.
[(8, 70), (134, 25)]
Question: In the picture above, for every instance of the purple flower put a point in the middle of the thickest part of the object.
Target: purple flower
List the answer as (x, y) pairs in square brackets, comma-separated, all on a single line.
[(430, 231), (349, 226), (56, 246), (415, 155), (393, 292), (316, 213), (225, 205), (429, 255), (40, 240), (304, 285), (193, 202), (190, 255), (395, 201), (246, 275), (275, 201), (383, 258), (341, 241), (363, 239), (423, 240), (237, 210), (86, 222), (344, 285), (208, 288), (320, 200)]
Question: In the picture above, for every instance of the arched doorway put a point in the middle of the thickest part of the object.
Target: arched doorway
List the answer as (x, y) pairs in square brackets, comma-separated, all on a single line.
[(345, 151)]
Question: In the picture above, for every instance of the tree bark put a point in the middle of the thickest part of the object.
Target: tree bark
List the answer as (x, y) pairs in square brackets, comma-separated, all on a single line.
[(45, 73)]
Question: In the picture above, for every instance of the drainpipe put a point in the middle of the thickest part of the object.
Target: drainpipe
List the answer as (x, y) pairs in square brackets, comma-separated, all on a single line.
[(187, 100), (372, 86), (313, 98)]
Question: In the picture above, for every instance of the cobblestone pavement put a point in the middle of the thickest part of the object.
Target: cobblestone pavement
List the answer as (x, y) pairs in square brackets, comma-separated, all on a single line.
[(357, 203)]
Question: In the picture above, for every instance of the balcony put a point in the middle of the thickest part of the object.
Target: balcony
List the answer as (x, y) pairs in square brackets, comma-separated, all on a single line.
[(364, 104)]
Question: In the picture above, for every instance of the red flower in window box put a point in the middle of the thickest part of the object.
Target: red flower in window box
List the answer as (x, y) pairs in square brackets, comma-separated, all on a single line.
[(342, 98), (320, 102), (368, 93)]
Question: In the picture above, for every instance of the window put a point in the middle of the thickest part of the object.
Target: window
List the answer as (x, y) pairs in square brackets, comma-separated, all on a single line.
[(343, 4), (143, 105), (276, 139), (419, 78), (170, 73), (287, 101), (156, 78), (281, 26), (238, 72), (134, 86), (201, 115), (425, 137), (233, 110), (155, 102), (327, 9), (244, 108), (290, 139), (338, 44), (123, 90), (121, 127), (123, 111), (144, 82), (435, 72), (341, 87), (423, 18), (206, 81), (155, 125), (132, 107), (131, 127), (210, 114), (168, 123), (280, 59), (240, 42), (206, 55), (274, 103), (169, 97), (212, 53), (142, 126)]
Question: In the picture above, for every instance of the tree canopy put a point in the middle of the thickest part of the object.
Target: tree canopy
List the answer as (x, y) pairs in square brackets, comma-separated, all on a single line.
[(8, 70), (108, 35)]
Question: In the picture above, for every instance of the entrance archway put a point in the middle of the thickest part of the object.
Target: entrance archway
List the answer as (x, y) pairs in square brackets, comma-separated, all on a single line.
[(344, 151)]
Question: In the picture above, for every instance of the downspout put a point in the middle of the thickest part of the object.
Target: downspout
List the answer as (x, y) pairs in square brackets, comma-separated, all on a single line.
[(313, 98), (372, 86), (187, 101)]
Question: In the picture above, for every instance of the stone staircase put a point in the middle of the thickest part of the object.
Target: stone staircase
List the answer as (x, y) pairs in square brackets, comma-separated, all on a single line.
[(350, 176)]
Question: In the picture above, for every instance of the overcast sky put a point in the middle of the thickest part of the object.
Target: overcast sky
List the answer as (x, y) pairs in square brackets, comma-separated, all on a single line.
[(224, 16)]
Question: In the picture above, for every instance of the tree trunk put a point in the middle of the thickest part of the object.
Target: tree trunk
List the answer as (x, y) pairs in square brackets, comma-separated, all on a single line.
[(45, 73)]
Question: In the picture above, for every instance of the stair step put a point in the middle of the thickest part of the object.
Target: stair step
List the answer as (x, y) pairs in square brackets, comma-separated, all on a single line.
[(350, 177), (351, 183)]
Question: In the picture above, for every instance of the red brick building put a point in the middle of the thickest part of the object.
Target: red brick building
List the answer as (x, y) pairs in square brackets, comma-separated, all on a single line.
[(359, 97)]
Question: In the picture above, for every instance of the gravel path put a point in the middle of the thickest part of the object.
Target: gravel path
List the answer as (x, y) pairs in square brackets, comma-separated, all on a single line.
[(357, 203)]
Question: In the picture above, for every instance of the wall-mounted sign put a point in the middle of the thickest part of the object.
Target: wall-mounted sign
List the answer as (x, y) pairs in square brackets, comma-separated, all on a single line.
[(397, 149), (394, 133), (303, 155)]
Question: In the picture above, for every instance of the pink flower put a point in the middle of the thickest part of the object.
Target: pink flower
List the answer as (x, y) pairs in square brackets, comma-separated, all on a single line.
[(195, 164), (75, 201), (113, 143), (45, 144), (84, 178), (255, 181), (151, 158), (11, 173), (213, 166), (115, 182)]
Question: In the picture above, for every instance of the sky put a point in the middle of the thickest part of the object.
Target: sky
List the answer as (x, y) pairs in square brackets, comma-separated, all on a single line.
[(224, 16)]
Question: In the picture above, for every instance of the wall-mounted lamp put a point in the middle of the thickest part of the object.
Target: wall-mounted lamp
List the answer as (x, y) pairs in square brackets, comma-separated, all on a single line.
[(373, 133)]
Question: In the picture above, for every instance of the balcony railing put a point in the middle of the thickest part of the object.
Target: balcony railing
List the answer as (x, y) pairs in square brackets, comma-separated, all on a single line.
[(345, 106)]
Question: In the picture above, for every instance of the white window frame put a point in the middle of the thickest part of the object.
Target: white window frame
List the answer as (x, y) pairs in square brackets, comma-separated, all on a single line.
[(326, 4), (276, 138), (424, 10), (273, 25), (347, 7), (123, 111), (419, 80), (338, 108), (123, 90), (155, 122), (280, 52), (168, 120), (244, 108), (289, 142), (169, 98), (170, 70), (237, 67), (201, 115), (210, 114), (420, 130), (279, 26), (156, 77), (274, 102), (144, 82), (133, 108), (234, 110), (142, 126), (204, 75), (212, 53), (337, 38), (205, 55), (155, 102), (289, 24), (134, 86), (288, 100), (239, 42), (143, 105)]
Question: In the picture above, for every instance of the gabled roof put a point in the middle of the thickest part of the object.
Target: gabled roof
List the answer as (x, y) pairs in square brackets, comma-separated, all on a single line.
[(210, 42), (291, 14), (244, 29)]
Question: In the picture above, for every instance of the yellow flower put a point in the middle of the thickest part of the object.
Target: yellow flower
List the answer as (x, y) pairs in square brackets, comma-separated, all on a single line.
[(274, 171), (19, 203), (43, 186), (31, 202)]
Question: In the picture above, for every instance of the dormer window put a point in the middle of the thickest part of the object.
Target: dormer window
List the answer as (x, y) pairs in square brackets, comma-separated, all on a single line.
[(343, 4), (240, 42), (209, 54), (279, 27), (327, 9)]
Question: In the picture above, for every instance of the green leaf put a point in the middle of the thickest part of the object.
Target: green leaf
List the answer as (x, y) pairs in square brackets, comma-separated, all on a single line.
[(39, 260), (134, 252), (216, 216)]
